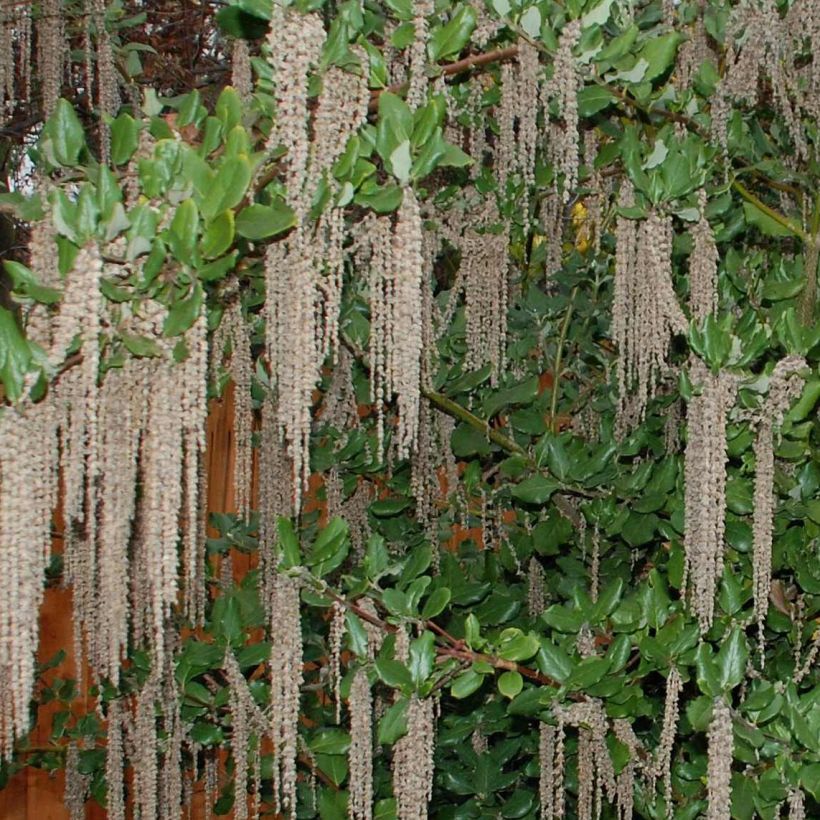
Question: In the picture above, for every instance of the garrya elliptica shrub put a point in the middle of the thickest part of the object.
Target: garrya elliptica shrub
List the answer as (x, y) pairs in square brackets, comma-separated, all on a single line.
[(517, 303)]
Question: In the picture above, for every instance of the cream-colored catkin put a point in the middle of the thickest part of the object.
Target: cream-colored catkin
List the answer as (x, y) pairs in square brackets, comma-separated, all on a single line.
[(417, 91), (295, 42), (108, 93), (246, 720), (703, 265), (413, 765), (115, 761), (535, 588), (29, 461), (122, 420), (797, 806), (559, 761), (785, 385), (360, 756), (293, 343), (669, 729), (625, 781), (705, 460), (76, 784), (564, 87), (51, 53), (404, 361), (336, 634), (546, 778), (144, 757), (719, 770), (241, 71), (275, 495), (645, 310), (485, 266), (286, 682)]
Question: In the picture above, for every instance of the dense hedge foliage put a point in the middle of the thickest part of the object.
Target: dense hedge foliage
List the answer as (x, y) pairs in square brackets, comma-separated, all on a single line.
[(530, 559)]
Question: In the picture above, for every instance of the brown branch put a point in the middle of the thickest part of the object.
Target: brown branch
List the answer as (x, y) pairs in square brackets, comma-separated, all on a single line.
[(458, 67)]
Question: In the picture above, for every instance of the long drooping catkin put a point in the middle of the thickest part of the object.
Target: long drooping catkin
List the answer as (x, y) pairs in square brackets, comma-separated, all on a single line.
[(662, 764), (417, 92), (115, 761), (645, 310), (719, 773), (413, 760), (625, 781), (335, 636), (144, 745), (286, 681), (703, 266), (28, 494), (546, 779), (785, 385), (705, 492), (360, 755), (564, 87), (51, 53), (484, 265)]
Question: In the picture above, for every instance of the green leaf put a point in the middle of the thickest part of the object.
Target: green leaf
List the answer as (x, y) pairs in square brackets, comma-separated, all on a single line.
[(141, 345), (184, 312), (66, 134), (422, 657), (229, 186), (15, 355), (659, 54), (27, 285), (218, 235), (450, 39), (124, 138), (436, 603), (184, 231), (515, 645), (394, 723), (330, 742), (510, 683), (466, 683), (334, 766), (288, 543), (535, 490), (592, 99), (262, 221), (731, 659), (554, 661), (393, 673)]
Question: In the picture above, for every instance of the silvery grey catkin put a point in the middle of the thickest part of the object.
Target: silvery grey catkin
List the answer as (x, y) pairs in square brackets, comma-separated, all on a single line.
[(360, 756), (785, 385), (705, 488), (719, 773), (413, 766), (286, 681)]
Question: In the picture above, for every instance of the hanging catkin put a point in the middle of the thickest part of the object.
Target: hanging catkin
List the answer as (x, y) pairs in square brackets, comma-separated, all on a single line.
[(241, 72), (115, 761), (275, 495), (28, 495), (417, 92), (108, 94), (485, 264), (703, 264), (784, 386), (413, 760), (246, 720), (360, 756), (336, 634), (535, 588), (404, 361), (719, 772), (563, 87), (797, 808), (546, 778), (625, 781), (51, 53), (144, 756), (286, 681), (76, 784), (645, 310), (662, 764), (705, 488)]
